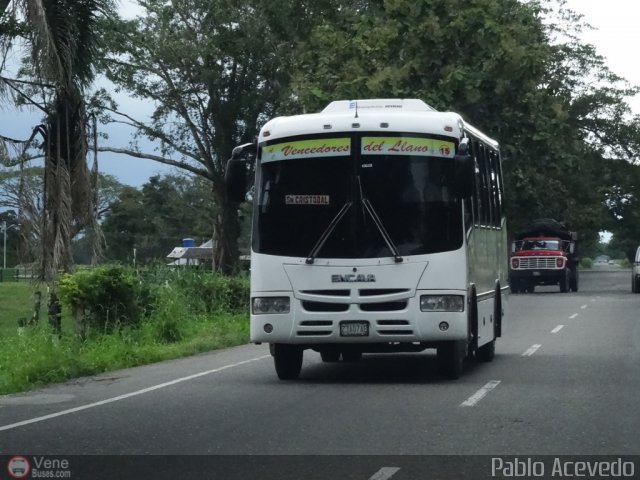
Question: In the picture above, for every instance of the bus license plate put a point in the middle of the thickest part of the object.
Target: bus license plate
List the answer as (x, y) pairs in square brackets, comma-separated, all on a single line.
[(354, 329)]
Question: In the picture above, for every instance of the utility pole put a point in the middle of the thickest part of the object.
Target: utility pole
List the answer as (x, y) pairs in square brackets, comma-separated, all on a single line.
[(4, 250)]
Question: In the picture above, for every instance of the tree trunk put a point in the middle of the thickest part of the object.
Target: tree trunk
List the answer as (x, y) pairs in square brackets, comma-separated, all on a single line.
[(226, 232)]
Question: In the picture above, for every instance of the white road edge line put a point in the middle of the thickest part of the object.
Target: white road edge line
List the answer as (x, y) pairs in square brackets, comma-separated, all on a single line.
[(385, 473), (573, 316), (557, 329), (480, 394), (533, 349), (127, 395)]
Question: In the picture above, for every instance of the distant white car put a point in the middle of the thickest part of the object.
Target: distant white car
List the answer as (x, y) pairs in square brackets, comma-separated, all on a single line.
[(635, 273)]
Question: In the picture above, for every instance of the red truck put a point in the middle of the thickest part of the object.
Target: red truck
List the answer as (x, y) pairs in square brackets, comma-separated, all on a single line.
[(543, 253)]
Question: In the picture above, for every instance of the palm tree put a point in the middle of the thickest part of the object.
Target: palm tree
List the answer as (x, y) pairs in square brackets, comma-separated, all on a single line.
[(64, 39)]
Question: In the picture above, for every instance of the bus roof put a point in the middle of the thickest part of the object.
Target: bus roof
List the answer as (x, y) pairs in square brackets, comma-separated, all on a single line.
[(397, 115)]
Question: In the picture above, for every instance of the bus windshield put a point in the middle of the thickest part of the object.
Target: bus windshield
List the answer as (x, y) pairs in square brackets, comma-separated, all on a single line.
[(298, 198)]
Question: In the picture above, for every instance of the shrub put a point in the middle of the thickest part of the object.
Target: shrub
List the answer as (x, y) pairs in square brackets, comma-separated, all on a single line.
[(210, 292), (104, 297), (586, 263)]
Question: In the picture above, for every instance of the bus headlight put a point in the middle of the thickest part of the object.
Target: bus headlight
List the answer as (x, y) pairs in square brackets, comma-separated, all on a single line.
[(442, 303), (264, 305)]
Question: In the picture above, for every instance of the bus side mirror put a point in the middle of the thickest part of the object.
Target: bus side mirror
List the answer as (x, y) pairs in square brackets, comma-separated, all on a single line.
[(235, 176), (464, 175)]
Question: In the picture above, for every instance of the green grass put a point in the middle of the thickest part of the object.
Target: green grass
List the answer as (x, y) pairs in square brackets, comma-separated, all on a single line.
[(176, 327), (16, 302), (36, 357)]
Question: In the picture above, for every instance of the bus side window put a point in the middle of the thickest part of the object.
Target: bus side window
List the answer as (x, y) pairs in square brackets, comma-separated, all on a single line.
[(495, 189), (484, 186), (477, 198)]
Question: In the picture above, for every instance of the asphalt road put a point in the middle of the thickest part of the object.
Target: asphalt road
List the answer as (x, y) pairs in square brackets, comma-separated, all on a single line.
[(565, 381)]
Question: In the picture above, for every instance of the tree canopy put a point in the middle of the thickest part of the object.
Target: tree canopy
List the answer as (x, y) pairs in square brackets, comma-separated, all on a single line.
[(215, 71)]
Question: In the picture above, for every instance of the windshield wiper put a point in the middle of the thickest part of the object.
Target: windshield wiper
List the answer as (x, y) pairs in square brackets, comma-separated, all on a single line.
[(383, 231), (385, 235), (325, 235)]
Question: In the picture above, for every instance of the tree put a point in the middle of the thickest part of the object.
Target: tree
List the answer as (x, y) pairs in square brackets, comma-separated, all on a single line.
[(514, 69), (22, 191), (155, 218), (214, 71), (63, 37), (623, 204), (12, 234)]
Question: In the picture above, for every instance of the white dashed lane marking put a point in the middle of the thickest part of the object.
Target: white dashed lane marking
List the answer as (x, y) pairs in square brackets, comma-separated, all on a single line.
[(385, 473), (557, 329), (480, 394), (573, 316), (533, 349)]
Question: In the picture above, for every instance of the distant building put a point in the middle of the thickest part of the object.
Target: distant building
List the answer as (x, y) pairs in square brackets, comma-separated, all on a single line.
[(188, 254)]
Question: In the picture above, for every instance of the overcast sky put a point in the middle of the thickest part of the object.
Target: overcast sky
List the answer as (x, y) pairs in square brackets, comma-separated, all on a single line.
[(616, 36)]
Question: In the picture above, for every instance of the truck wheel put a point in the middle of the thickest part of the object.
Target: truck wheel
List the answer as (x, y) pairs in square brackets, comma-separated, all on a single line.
[(635, 285), (451, 359), (564, 284), (330, 355), (573, 283), (287, 360), (514, 288)]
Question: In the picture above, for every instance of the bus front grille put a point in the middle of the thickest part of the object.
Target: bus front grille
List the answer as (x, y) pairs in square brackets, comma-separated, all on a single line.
[(383, 306), (311, 306)]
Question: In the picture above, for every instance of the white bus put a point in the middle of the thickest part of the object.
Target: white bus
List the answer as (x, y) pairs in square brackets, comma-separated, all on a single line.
[(377, 227)]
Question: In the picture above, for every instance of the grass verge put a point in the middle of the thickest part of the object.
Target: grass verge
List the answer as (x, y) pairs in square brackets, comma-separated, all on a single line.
[(37, 357), (179, 323)]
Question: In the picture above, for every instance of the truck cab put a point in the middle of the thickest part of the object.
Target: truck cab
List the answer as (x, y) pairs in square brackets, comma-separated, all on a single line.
[(543, 254)]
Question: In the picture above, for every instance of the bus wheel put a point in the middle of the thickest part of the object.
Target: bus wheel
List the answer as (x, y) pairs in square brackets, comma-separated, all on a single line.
[(330, 355), (487, 352), (350, 356), (451, 359), (287, 360)]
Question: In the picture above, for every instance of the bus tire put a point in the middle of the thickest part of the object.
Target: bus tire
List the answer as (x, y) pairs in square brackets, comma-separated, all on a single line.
[(487, 352), (351, 356), (330, 356), (451, 359), (472, 325), (497, 313), (287, 360)]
